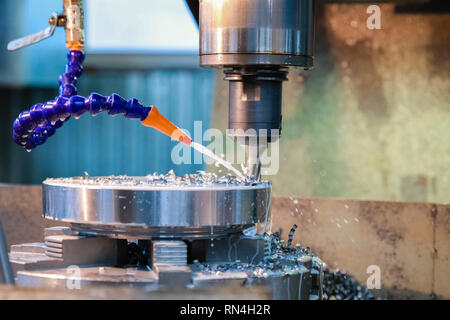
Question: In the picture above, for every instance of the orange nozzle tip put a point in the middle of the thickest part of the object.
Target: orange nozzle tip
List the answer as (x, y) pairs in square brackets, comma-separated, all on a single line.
[(186, 140), (180, 136), (155, 120)]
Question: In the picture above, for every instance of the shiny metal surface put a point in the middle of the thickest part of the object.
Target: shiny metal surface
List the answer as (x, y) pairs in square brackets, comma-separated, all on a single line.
[(257, 32), (144, 208)]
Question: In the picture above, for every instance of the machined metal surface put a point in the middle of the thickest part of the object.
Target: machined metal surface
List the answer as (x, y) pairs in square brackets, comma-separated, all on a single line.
[(255, 32), (202, 210)]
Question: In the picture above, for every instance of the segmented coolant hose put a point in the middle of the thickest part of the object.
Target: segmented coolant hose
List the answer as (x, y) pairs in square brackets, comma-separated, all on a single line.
[(35, 126)]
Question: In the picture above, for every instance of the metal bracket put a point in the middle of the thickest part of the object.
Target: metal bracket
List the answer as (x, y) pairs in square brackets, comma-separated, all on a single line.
[(56, 20)]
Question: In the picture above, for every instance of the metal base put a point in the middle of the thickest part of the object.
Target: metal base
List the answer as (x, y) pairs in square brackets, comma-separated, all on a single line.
[(283, 286), (72, 278), (70, 260)]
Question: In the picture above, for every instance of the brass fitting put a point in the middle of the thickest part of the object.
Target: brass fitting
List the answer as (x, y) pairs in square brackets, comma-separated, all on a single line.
[(74, 24)]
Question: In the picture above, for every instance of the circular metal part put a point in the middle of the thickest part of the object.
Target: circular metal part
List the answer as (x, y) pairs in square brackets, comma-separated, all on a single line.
[(146, 209), (257, 32)]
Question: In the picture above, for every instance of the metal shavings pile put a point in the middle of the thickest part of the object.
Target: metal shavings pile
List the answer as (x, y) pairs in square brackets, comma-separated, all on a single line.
[(169, 179), (339, 285), (283, 257), (278, 257)]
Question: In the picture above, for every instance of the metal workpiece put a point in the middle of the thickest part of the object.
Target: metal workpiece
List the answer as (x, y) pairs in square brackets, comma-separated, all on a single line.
[(201, 211), (257, 32)]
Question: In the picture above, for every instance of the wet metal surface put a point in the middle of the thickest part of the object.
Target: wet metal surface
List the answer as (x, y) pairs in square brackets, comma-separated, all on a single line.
[(157, 201)]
